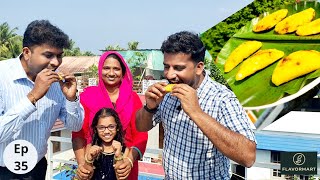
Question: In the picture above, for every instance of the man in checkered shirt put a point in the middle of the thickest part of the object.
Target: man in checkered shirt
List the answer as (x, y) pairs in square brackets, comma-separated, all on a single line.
[(204, 123)]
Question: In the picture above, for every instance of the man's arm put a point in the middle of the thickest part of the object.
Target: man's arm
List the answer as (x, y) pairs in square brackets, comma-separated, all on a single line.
[(85, 169), (13, 119), (144, 120), (72, 115), (154, 95), (232, 144), (79, 147)]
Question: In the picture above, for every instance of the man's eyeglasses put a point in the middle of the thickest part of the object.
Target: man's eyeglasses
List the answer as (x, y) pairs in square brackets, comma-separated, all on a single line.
[(111, 127)]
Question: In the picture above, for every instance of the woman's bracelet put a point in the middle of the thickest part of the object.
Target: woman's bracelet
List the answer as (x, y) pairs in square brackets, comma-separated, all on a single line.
[(137, 149), (130, 161), (87, 161)]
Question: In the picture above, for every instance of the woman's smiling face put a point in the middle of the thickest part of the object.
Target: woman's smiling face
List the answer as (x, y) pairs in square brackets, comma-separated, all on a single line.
[(111, 72)]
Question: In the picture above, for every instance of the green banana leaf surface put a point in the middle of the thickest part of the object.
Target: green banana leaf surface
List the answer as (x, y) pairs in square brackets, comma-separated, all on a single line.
[(257, 89)]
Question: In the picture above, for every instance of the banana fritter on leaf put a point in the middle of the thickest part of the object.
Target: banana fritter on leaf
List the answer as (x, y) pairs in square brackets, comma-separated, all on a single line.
[(291, 23), (295, 65), (270, 20), (258, 61), (309, 29), (243, 51)]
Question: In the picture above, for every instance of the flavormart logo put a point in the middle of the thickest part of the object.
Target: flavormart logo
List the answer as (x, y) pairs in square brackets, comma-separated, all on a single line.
[(299, 159), (304, 163)]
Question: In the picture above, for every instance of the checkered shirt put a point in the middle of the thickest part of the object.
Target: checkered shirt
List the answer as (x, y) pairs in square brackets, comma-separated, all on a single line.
[(187, 152)]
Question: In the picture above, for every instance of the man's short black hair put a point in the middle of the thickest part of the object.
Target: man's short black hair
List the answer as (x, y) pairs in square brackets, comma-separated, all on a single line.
[(185, 42), (41, 32)]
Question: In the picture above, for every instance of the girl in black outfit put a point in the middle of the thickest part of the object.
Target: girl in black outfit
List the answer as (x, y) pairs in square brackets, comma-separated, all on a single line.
[(107, 144)]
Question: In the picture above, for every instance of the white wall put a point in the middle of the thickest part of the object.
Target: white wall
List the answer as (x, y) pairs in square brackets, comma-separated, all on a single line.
[(153, 141), (256, 173), (67, 134)]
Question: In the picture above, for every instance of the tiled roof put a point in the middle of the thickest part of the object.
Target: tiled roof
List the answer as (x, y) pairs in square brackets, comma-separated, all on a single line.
[(74, 64)]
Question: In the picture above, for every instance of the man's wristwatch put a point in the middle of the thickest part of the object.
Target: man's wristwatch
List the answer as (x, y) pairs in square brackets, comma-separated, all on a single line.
[(154, 110)]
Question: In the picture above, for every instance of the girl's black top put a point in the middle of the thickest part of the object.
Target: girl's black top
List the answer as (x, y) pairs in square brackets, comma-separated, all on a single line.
[(104, 167)]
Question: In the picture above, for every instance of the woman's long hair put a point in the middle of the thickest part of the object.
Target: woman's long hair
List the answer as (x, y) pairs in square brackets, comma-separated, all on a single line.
[(106, 112)]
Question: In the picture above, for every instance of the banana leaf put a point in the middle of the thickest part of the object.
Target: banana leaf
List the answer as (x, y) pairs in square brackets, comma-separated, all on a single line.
[(257, 89)]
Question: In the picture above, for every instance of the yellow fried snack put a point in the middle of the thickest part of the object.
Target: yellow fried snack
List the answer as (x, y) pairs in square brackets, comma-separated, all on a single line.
[(309, 28), (291, 23), (243, 51), (168, 88), (295, 65), (270, 20), (60, 77), (258, 61)]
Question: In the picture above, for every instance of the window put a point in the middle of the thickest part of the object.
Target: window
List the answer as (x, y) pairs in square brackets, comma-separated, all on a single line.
[(275, 158), (56, 145)]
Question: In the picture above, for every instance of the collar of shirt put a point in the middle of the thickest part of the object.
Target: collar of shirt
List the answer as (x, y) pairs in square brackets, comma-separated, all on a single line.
[(17, 70), (201, 91)]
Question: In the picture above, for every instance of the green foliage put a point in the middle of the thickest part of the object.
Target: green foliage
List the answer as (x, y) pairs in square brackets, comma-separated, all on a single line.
[(116, 48), (69, 168), (10, 42), (93, 71), (216, 37), (133, 45), (88, 53), (137, 62), (75, 51), (216, 75), (252, 91)]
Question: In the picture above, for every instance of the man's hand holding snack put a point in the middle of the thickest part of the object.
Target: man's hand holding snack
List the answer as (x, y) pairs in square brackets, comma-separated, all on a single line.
[(68, 85), (154, 94), (44, 80), (42, 83), (188, 98)]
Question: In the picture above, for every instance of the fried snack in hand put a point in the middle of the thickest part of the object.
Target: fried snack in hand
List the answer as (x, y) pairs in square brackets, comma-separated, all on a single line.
[(168, 88), (61, 77)]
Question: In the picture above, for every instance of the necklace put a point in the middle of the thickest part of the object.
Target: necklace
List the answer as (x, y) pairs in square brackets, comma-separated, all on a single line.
[(108, 153)]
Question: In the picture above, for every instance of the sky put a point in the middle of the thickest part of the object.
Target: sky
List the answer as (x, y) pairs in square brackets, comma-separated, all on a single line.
[(95, 24)]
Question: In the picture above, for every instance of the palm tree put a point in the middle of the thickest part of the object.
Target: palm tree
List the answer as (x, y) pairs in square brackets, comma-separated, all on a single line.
[(10, 42), (75, 51), (133, 45), (116, 48)]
